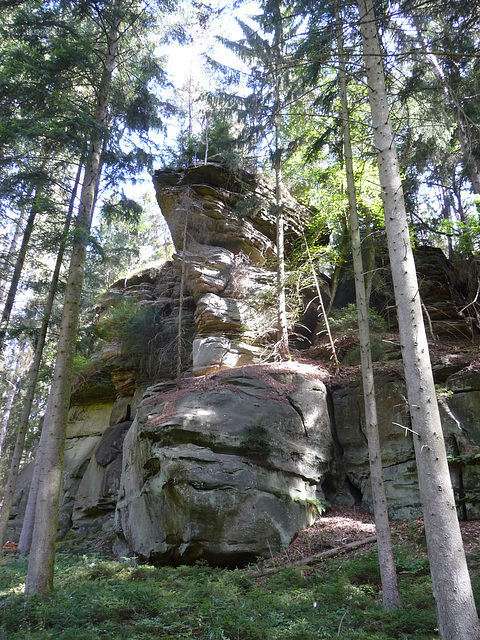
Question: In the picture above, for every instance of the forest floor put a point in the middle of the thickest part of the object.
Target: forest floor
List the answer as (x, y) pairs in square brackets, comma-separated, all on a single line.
[(330, 598), (342, 525), (446, 355)]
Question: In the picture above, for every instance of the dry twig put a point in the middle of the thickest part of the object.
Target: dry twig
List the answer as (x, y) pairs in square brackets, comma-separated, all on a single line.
[(318, 556)]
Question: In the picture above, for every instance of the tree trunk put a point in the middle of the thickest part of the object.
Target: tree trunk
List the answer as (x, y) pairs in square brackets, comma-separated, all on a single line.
[(282, 337), (32, 383), (456, 613), (26, 534), (17, 272), (42, 552), (388, 573), (278, 47), (283, 349), (207, 138), (339, 263), (181, 292), (322, 307), (368, 255), (10, 253), (7, 408)]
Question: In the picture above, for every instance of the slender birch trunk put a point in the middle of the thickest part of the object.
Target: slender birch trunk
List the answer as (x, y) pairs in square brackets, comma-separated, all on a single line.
[(388, 573), (456, 613), (42, 552)]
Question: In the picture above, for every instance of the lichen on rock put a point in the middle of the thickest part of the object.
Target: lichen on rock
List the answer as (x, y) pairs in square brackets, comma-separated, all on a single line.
[(227, 469)]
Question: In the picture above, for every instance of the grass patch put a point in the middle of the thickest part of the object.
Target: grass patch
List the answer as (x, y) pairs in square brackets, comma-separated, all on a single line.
[(98, 598)]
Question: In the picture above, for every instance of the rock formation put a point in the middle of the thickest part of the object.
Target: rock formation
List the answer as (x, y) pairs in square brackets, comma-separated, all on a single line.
[(223, 228), (231, 465), (228, 469)]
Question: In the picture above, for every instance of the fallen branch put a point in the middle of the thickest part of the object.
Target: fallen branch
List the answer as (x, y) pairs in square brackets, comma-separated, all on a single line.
[(318, 556)]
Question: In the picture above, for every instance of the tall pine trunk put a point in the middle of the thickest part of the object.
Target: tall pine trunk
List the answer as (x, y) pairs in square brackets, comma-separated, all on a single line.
[(456, 613), (282, 332), (388, 573), (17, 272), (6, 410), (9, 258), (282, 338), (42, 551), (32, 381)]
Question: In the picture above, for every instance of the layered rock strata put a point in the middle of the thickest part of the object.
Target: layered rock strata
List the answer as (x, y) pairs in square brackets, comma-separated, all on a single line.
[(227, 469), (230, 466), (223, 226)]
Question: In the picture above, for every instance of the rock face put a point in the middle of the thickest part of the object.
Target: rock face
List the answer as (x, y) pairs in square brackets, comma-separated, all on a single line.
[(227, 469), (223, 230), (224, 208), (227, 223), (150, 302), (97, 493), (446, 306), (230, 466), (459, 401), (234, 318)]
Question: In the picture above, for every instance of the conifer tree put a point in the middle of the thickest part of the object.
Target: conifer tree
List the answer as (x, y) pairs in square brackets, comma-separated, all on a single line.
[(33, 376), (117, 27), (445, 34), (268, 50), (456, 612), (390, 590)]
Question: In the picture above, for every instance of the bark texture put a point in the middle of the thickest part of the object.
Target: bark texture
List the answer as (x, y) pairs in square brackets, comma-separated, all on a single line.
[(391, 593), (32, 381), (42, 552), (17, 272), (456, 612)]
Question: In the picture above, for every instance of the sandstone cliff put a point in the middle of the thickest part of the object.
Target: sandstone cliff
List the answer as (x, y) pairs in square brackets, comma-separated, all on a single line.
[(231, 465)]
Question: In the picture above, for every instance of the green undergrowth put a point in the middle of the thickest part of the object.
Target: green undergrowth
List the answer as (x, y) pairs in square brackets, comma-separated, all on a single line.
[(96, 597)]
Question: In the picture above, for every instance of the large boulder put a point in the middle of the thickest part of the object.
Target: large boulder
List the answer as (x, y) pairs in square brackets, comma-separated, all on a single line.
[(227, 469)]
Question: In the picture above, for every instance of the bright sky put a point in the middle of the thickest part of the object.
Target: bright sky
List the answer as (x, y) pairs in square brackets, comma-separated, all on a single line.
[(186, 59), (182, 59)]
